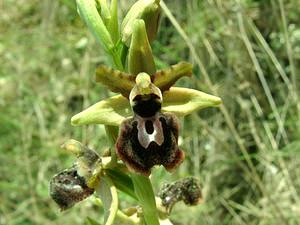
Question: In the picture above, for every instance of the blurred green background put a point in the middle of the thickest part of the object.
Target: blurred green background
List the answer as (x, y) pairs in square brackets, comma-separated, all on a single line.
[(246, 154)]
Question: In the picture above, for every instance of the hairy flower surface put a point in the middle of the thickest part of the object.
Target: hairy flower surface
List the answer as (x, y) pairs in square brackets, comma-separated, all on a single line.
[(149, 136)]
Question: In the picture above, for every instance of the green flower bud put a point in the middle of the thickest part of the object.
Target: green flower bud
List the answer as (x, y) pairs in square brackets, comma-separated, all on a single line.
[(140, 58), (147, 10)]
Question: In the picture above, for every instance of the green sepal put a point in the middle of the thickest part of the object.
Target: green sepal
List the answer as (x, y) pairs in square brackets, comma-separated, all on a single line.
[(140, 58), (111, 111), (164, 79), (115, 80), (147, 10), (184, 101)]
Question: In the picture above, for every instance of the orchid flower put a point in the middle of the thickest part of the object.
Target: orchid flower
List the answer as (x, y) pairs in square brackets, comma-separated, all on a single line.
[(147, 107)]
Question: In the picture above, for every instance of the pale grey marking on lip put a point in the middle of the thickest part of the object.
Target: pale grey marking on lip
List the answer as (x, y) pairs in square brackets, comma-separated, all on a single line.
[(157, 135)]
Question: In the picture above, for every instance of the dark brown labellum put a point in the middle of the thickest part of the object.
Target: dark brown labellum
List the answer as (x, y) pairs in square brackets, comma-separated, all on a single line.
[(145, 142), (68, 188)]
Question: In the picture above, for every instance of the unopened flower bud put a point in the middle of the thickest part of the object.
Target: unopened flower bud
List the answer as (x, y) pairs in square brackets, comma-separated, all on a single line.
[(147, 10), (140, 58)]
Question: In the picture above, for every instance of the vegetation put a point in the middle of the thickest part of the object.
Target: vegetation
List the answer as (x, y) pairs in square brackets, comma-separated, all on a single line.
[(246, 155)]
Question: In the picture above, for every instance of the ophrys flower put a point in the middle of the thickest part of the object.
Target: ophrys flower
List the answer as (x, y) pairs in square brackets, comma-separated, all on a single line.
[(149, 136)]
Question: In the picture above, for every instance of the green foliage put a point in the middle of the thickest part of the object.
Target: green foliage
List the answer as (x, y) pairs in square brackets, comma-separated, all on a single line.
[(246, 158)]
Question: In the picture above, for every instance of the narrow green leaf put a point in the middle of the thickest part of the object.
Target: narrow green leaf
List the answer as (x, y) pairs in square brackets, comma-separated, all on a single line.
[(88, 12), (105, 12), (184, 101), (115, 80), (164, 79), (109, 197), (144, 192), (111, 111), (140, 58), (113, 25)]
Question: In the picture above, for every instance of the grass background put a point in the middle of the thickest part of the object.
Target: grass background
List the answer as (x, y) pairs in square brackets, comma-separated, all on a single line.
[(246, 153)]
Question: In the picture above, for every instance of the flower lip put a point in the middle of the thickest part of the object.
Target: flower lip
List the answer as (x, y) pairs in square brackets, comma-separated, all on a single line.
[(142, 145)]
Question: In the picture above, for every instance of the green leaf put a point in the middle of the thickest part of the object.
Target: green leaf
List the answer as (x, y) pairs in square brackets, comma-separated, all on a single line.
[(104, 11), (166, 78), (88, 12), (122, 181), (140, 58), (87, 9), (111, 111), (113, 25), (109, 197), (184, 101), (144, 192), (115, 80)]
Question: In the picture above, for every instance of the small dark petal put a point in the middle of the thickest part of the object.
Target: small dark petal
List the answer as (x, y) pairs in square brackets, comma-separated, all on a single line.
[(68, 188), (140, 159)]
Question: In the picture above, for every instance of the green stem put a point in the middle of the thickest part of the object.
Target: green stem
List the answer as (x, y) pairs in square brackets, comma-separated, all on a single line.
[(111, 207), (144, 192), (120, 215), (116, 59)]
